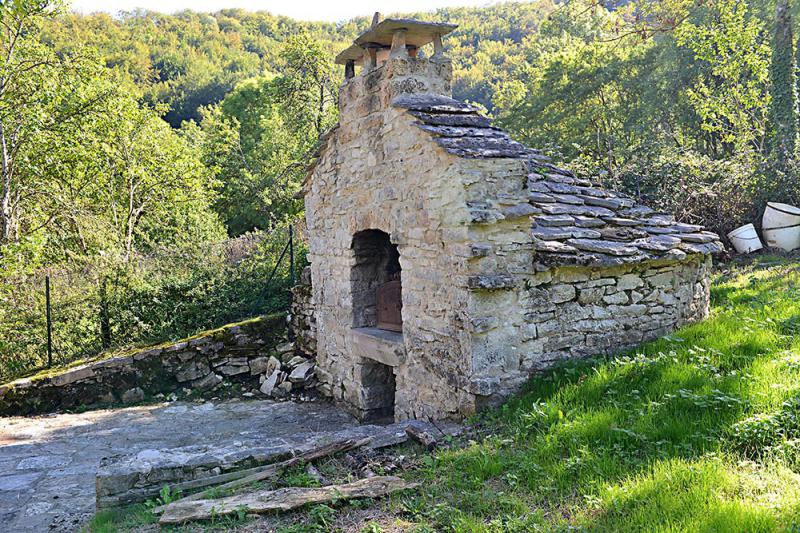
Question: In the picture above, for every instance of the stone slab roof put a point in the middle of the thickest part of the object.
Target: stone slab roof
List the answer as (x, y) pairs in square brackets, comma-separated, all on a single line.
[(460, 128), (578, 223), (574, 222)]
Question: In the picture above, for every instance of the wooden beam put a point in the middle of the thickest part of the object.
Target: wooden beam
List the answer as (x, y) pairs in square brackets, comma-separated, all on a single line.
[(281, 499)]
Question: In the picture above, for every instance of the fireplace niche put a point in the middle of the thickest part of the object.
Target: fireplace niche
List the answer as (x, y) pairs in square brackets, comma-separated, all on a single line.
[(376, 282), (376, 339)]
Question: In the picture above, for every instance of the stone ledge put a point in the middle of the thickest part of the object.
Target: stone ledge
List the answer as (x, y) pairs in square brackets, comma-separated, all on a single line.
[(383, 346), (202, 362), (126, 479), (491, 282)]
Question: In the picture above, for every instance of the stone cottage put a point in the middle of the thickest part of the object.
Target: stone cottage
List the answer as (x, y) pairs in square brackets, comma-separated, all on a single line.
[(449, 262)]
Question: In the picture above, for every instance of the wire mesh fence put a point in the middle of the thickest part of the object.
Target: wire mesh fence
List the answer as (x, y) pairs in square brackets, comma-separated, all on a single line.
[(164, 295)]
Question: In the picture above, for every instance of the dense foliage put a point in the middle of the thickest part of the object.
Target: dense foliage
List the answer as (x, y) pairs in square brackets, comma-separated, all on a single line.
[(122, 135), (620, 90), (674, 107), (165, 295)]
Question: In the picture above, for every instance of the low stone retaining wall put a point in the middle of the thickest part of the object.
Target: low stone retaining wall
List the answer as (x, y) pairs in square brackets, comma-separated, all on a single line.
[(255, 354)]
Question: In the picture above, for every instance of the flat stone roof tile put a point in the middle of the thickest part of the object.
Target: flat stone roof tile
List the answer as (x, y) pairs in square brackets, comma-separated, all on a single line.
[(580, 222)]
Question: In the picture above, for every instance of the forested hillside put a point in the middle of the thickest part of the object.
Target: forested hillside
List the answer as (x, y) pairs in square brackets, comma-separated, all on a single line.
[(134, 134), (189, 60)]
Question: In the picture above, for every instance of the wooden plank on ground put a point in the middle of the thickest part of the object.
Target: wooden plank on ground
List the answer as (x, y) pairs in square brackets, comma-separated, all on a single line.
[(281, 499), (266, 472)]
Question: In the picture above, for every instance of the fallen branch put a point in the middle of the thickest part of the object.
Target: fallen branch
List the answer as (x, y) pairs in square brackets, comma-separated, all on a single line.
[(281, 499), (260, 473)]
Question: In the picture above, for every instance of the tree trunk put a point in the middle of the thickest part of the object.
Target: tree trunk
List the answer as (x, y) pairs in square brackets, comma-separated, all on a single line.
[(784, 92), (5, 190), (321, 110)]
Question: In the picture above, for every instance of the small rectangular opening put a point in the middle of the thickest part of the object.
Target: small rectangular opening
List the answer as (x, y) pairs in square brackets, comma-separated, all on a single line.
[(378, 389)]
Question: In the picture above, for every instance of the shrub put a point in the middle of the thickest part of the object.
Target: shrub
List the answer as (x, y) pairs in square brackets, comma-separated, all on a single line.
[(167, 295)]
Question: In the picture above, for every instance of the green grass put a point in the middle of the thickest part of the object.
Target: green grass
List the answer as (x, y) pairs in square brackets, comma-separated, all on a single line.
[(125, 519), (697, 431)]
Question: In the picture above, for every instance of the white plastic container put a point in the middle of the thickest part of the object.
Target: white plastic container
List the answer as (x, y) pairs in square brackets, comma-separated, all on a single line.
[(745, 239), (781, 226)]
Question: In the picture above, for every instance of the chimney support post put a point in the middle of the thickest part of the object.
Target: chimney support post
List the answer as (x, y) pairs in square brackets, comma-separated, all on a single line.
[(399, 44), (438, 47), (370, 58)]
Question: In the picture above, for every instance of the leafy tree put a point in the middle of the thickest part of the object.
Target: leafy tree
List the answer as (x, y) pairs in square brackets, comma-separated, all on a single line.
[(307, 86), (260, 138), (731, 96), (154, 189), (784, 85), (87, 167), (41, 94)]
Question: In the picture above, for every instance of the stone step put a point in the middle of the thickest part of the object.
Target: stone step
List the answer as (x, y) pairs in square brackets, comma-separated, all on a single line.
[(134, 478)]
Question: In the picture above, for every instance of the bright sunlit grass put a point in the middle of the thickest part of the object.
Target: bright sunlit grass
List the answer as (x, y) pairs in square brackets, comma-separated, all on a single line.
[(698, 431)]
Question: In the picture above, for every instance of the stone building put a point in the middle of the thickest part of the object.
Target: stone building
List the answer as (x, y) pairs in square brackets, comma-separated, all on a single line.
[(449, 262)]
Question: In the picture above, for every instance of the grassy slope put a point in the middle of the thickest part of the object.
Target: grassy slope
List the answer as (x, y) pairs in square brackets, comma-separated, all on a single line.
[(694, 432), (689, 433)]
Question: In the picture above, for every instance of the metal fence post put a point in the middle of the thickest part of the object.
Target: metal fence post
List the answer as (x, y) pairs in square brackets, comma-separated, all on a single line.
[(49, 322), (105, 321), (291, 254)]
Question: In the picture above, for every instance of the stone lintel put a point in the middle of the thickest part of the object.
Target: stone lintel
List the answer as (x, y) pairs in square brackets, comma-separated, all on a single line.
[(379, 345), (417, 34)]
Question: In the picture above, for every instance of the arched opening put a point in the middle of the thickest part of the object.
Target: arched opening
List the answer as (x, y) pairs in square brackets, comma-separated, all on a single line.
[(376, 282), (377, 320)]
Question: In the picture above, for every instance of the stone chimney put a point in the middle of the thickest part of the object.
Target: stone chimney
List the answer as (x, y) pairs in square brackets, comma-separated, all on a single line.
[(390, 63)]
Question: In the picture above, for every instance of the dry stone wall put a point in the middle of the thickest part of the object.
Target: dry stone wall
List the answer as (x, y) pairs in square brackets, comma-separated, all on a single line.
[(303, 322), (255, 356), (576, 312)]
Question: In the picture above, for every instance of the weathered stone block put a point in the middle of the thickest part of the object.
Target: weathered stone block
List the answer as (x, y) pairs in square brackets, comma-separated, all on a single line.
[(259, 365), (617, 298), (133, 395), (71, 376), (302, 373), (192, 370), (274, 379), (491, 282), (591, 296), (628, 282), (561, 293), (208, 382)]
